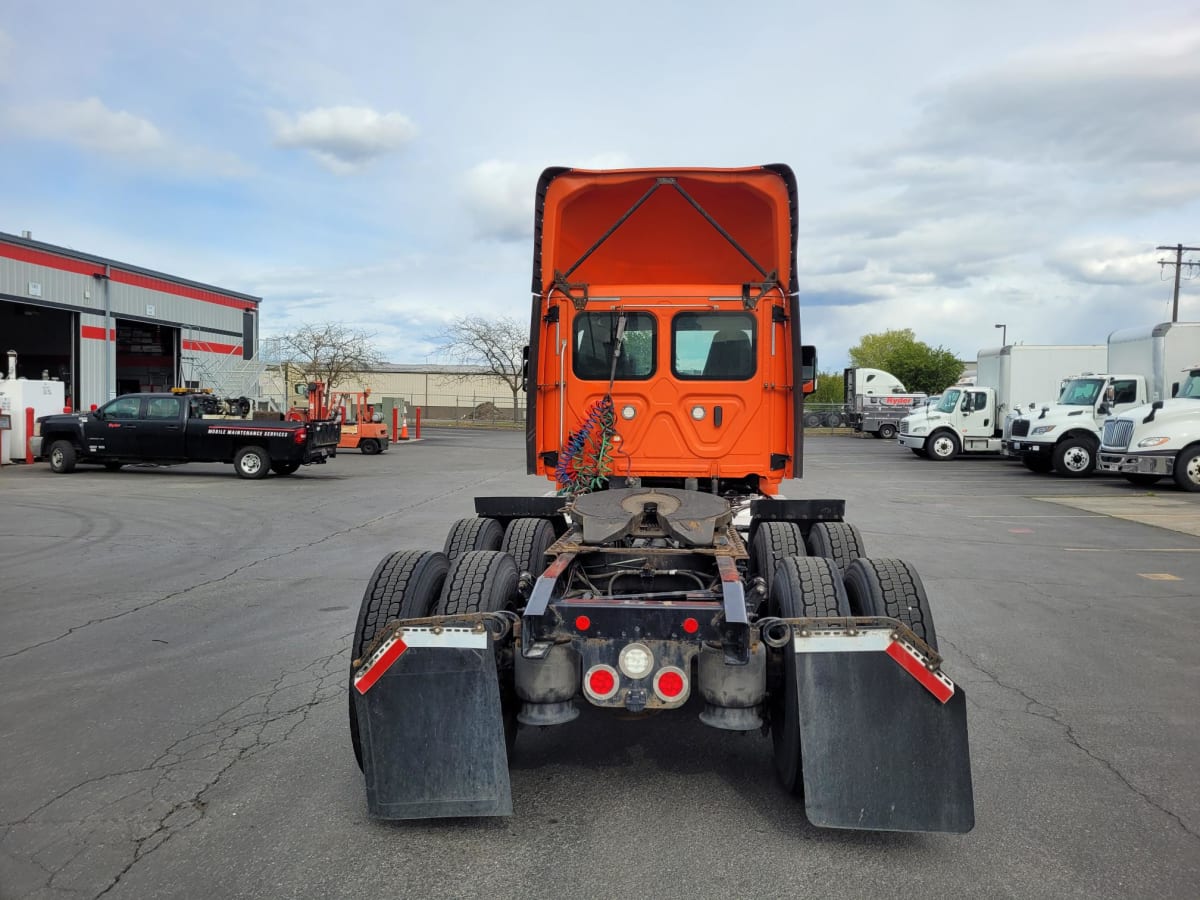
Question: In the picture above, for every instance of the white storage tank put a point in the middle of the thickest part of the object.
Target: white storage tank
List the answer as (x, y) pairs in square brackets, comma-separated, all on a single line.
[(18, 394)]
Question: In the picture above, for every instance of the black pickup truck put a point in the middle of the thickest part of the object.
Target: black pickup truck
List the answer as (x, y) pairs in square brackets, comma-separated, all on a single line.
[(173, 428)]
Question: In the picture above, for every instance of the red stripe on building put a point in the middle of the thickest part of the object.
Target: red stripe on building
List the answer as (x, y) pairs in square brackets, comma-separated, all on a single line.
[(83, 267), (213, 347), (96, 332)]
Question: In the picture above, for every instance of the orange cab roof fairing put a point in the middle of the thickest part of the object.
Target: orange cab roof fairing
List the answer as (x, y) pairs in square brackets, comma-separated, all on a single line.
[(664, 227)]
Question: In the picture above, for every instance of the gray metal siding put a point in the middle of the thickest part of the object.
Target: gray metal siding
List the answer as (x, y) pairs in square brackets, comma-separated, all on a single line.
[(92, 388)]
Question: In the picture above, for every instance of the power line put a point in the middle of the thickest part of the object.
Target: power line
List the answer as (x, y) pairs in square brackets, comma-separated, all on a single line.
[(1178, 262)]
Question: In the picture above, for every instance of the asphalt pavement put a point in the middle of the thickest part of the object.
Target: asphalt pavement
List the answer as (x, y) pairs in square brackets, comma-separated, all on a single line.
[(174, 661)]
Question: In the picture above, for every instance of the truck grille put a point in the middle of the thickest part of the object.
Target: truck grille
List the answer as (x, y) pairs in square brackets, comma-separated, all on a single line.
[(1117, 433), (1020, 428), (903, 426)]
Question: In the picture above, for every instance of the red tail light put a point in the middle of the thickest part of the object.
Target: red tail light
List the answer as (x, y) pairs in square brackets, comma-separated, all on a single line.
[(690, 625), (301, 435), (601, 682), (670, 684), (583, 623)]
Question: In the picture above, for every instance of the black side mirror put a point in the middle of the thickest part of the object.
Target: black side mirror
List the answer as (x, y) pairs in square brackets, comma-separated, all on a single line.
[(1154, 407), (525, 368), (1174, 390)]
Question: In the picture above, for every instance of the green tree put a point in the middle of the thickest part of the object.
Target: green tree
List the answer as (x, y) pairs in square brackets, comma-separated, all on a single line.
[(919, 366), (829, 389)]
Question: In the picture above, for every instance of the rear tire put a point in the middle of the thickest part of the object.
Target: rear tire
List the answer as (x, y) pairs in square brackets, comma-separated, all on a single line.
[(774, 541), (803, 587), (886, 432), (472, 534), (485, 581), (1142, 479), (252, 462), (892, 588), (1075, 457), (1187, 470), (942, 446), (405, 585), (840, 542), (62, 457), (526, 541)]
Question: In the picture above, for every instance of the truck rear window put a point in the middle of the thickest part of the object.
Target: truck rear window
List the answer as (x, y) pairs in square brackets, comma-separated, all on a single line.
[(717, 346), (592, 346)]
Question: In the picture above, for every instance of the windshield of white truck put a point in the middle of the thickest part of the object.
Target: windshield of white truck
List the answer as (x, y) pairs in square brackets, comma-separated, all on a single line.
[(949, 401), (1081, 392), (1191, 387)]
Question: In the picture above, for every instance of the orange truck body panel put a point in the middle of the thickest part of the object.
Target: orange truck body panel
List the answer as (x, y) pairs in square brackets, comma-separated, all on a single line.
[(701, 263)]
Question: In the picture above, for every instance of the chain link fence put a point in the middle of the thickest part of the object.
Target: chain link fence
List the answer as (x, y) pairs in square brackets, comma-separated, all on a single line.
[(447, 409)]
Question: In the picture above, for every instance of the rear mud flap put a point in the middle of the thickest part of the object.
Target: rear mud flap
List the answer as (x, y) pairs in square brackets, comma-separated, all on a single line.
[(432, 729), (879, 750)]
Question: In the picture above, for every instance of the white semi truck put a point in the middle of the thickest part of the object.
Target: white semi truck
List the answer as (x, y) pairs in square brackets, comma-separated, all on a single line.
[(876, 401), (1143, 366), (1161, 438), (970, 418)]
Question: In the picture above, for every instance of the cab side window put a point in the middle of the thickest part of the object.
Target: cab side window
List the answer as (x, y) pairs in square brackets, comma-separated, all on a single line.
[(163, 408), (123, 408), (1124, 391)]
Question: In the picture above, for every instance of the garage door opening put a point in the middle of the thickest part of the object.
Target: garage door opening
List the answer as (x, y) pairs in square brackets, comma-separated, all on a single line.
[(46, 341), (147, 357)]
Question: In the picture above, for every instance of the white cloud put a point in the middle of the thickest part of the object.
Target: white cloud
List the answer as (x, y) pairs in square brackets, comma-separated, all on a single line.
[(344, 138), (1113, 261), (90, 125)]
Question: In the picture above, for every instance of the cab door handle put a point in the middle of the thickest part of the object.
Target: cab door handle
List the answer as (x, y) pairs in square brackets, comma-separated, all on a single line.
[(718, 415)]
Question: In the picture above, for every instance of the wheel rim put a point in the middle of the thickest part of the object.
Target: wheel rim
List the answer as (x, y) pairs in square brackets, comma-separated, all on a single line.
[(943, 446), (251, 464), (887, 432), (1077, 459), (56, 456), (1192, 470)]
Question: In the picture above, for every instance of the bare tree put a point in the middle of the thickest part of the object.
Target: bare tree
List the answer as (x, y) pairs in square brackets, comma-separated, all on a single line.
[(329, 351), (496, 344)]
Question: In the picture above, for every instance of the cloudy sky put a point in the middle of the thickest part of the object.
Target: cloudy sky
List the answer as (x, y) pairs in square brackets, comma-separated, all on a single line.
[(960, 164)]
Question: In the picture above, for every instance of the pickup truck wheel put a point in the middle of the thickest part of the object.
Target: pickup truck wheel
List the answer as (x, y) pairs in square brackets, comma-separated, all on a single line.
[(840, 542), (526, 541), (1187, 469), (405, 585), (252, 462), (282, 468), (886, 432), (369, 446), (62, 457), (1075, 457), (774, 541), (485, 581), (942, 446), (1039, 464), (890, 587), (804, 586), (113, 466), (1142, 479), (472, 534)]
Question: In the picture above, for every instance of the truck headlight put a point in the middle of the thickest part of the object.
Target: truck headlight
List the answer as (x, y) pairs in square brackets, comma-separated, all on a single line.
[(1043, 429), (1152, 441), (920, 429)]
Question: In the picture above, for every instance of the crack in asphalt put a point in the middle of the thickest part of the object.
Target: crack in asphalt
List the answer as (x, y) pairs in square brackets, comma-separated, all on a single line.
[(233, 735), (242, 568), (1041, 710)]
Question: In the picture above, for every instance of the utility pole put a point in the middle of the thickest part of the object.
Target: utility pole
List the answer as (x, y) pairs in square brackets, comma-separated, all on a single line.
[(1178, 263)]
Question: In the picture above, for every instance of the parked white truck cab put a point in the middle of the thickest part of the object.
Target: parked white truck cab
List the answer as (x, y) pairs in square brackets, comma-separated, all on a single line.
[(876, 401), (1162, 439), (970, 418), (1065, 437)]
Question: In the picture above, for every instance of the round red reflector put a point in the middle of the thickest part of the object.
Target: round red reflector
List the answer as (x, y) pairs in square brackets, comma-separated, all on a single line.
[(601, 682), (670, 684), (583, 623), (690, 625)]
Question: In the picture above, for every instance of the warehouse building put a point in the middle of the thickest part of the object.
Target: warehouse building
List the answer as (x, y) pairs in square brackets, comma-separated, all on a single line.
[(106, 328)]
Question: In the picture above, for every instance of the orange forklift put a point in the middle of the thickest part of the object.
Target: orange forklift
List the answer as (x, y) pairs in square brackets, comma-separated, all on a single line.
[(363, 427)]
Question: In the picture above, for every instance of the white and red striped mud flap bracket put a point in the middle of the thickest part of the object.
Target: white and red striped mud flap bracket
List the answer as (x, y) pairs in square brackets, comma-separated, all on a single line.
[(409, 638), (904, 654)]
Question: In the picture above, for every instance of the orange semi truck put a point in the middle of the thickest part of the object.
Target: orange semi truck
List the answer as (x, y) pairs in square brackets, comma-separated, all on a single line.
[(665, 574)]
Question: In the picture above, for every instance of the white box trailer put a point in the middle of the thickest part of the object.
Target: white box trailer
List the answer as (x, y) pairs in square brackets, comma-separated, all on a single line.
[(1159, 353), (970, 418)]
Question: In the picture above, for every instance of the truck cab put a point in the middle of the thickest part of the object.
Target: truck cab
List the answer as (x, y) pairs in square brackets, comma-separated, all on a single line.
[(964, 421), (1159, 440), (1065, 437)]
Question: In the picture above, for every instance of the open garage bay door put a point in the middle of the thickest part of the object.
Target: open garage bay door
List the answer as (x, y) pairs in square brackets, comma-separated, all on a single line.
[(147, 356), (46, 341)]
